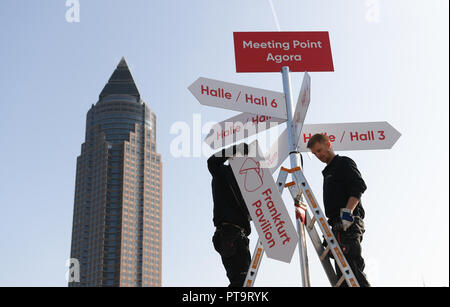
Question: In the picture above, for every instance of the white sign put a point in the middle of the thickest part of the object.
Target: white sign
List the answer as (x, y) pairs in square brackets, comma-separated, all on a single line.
[(266, 207), (343, 137), (353, 136), (278, 152), (239, 127), (302, 106), (239, 98)]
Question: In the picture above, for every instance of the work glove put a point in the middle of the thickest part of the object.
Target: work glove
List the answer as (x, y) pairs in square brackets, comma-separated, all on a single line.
[(346, 219)]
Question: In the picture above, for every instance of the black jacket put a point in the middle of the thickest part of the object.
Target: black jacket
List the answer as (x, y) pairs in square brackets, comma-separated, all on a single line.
[(342, 180), (229, 205)]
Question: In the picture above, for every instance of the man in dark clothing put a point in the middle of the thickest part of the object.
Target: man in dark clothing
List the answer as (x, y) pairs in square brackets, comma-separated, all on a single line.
[(342, 190), (231, 216)]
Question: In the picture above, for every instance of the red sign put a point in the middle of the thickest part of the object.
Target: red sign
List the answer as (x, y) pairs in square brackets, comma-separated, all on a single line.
[(270, 51)]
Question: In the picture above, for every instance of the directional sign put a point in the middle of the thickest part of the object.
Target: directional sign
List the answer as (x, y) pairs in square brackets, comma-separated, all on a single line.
[(353, 136), (239, 98), (270, 51), (302, 106), (266, 207), (278, 152), (239, 127), (343, 137)]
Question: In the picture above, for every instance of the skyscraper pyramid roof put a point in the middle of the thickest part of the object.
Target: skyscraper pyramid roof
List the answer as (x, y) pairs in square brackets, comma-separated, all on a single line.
[(121, 82)]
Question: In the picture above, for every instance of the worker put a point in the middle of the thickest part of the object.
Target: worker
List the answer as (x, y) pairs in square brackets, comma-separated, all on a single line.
[(231, 216), (342, 190)]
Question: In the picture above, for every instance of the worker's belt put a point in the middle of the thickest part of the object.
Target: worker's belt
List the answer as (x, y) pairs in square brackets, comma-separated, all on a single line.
[(232, 225)]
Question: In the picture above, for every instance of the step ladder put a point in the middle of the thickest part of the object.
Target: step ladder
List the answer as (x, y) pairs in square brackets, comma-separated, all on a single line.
[(298, 188)]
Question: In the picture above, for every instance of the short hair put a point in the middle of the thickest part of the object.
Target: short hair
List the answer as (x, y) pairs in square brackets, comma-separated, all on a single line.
[(316, 138)]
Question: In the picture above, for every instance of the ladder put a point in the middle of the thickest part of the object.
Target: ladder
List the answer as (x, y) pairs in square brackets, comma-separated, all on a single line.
[(297, 188)]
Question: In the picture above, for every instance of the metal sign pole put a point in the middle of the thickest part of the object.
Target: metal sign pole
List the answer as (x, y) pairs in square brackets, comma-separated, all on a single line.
[(294, 156)]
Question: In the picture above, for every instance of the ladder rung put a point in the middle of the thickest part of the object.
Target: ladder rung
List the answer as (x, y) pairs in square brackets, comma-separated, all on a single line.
[(340, 281), (325, 253), (287, 185), (290, 170), (311, 224)]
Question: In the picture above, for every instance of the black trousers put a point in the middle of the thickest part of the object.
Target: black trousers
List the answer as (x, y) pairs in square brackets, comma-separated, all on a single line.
[(232, 245), (350, 242)]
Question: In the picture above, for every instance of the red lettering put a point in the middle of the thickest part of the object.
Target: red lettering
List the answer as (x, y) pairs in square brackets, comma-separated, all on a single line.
[(267, 192), (274, 104), (259, 101), (220, 92), (354, 136), (306, 138), (257, 204), (205, 90)]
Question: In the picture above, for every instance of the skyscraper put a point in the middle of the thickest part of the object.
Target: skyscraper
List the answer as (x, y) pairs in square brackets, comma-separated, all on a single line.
[(116, 232)]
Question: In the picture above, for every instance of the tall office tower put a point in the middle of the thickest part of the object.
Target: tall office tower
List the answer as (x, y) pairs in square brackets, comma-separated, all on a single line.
[(116, 232)]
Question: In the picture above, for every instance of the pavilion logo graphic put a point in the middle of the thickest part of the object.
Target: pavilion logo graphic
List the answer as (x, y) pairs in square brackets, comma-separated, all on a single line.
[(73, 13), (253, 174)]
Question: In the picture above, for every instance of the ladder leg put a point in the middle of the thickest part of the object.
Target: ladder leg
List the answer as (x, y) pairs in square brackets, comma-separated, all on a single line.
[(340, 281), (301, 207), (254, 265), (303, 254), (335, 249)]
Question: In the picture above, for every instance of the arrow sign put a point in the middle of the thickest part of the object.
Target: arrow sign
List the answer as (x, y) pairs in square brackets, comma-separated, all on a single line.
[(239, 98), (343, 137), (278, 152), (302, 106), (239, 127), (353, 136), (245, 125), (266, 207)]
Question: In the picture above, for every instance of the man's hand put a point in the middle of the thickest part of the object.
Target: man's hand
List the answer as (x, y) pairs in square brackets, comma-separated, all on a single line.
[(242, 149), (346, 219), (232, 151)]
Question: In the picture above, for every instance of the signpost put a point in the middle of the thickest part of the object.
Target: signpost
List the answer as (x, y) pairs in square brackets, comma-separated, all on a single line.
[(282, 52)]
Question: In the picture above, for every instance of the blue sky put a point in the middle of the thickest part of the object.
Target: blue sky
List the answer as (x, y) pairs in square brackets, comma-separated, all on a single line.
[(395, 70)]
